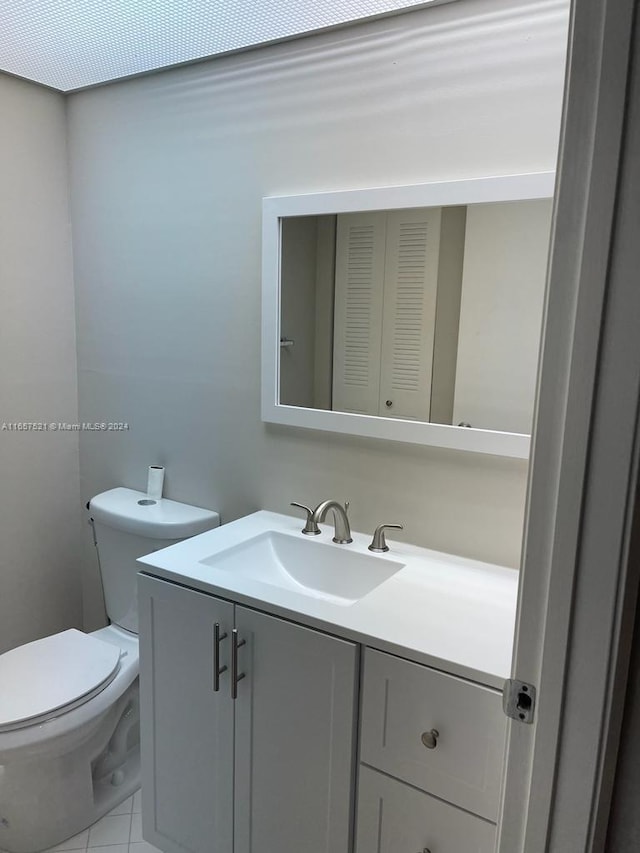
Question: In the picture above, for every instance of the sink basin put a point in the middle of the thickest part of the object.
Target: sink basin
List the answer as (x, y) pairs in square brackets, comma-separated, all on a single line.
[(330, 572)]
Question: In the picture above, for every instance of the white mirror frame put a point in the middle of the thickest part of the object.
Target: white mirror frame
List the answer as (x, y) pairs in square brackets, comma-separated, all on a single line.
[(536, 185)]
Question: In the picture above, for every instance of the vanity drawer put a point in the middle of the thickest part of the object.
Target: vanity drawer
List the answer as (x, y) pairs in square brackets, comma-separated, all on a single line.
[(396, 818), (435, 731)]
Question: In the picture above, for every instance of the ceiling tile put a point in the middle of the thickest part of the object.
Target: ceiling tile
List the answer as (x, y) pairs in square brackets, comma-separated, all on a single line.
[(69, 44)]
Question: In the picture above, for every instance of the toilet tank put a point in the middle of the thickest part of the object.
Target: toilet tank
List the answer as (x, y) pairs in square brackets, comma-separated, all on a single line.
[(129, 525)]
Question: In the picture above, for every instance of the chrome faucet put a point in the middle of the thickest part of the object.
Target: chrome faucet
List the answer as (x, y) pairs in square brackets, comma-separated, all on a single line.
[(342, 532)]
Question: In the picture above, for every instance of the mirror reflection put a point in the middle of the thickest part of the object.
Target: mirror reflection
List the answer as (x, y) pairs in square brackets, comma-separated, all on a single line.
[(426, 314)]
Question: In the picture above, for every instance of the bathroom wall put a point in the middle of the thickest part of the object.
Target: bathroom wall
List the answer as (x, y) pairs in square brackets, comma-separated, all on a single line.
[(298, 264), (501, 314), (307, 284), (168, 173), (40, 589)]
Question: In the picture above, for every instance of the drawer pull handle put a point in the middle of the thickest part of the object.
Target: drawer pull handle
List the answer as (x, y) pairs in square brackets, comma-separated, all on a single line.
[(430, 739)]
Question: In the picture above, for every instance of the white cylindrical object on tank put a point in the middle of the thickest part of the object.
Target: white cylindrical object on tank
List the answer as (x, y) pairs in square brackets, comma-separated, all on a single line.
[(155, 482)]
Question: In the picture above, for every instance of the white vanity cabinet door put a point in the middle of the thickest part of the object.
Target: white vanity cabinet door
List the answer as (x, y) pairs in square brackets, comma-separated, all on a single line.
[(396, 818), (187, 729), (404, 702), (295, 725)]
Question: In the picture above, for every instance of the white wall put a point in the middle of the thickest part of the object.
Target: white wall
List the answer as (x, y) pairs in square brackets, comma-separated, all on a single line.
[(445, 340), (168, 173), (505, 264), (298, 262), (307, 282), (40, 515)]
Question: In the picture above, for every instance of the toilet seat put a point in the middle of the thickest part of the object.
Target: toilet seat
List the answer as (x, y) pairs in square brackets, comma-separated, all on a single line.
[(44, 678)]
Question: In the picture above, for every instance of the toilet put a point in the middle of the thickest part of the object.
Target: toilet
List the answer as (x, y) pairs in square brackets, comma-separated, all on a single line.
[(69, 710)]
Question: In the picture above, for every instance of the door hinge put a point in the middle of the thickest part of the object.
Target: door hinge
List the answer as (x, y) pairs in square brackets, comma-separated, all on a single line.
[(519, 700)]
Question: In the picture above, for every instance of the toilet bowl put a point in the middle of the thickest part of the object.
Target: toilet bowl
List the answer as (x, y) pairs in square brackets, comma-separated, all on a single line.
[(61, 768), (69, 709)]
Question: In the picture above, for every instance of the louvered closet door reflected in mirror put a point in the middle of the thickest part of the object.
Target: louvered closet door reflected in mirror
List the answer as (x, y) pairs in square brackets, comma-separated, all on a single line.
[(385, 292), (357, 327)]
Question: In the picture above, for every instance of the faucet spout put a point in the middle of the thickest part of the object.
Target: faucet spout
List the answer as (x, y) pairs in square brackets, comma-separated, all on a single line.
[(342, 532)]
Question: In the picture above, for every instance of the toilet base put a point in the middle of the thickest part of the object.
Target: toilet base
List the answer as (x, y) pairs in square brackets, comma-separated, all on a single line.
[(47, 798)]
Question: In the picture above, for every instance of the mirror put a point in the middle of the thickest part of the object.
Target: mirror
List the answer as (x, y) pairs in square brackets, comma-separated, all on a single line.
[(416, 322)]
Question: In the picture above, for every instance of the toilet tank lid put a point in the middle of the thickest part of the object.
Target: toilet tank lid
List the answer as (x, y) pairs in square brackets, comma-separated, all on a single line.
[(130, 511)]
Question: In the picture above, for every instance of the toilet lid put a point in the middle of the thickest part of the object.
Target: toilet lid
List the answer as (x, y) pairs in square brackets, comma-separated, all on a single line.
[(42, 677)]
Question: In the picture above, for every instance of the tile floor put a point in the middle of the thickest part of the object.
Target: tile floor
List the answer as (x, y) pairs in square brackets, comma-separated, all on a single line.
[(120, 831)]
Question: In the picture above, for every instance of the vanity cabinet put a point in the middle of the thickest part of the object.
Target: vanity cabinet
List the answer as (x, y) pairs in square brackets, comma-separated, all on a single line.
[(268, 771), (187, 744), (254, 751), (397, 818), (432, 750)]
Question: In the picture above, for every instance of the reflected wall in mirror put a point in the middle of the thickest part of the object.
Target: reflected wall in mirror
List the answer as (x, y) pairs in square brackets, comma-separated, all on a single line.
[(427, 314), (408, 321)]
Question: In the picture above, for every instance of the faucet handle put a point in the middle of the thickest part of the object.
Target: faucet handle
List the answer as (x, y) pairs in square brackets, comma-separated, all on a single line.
[(311, 527), (379, 543)]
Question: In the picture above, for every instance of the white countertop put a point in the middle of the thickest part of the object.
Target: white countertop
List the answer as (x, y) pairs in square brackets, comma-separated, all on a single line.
[(454, 614)]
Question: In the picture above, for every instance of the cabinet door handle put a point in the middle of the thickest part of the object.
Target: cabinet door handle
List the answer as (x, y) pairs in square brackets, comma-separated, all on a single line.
[(235, 677), (217, 669), (430, 739)]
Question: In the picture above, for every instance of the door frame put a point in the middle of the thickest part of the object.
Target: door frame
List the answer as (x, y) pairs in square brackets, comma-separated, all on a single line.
[(578, 588)]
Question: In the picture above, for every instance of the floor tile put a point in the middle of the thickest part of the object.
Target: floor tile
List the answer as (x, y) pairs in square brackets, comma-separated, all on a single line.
[(142, 847), (111, 848), (78, 842), (137, 802), (136, 828), (110, 830), (123, 808)]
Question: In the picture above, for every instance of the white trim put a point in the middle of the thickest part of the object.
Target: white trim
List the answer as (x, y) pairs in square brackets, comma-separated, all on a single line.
[(495, 188), (576, 583), (473, 191)]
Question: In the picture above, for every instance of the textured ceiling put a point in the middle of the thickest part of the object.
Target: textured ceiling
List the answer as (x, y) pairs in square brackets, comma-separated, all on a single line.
[(68, 44)]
